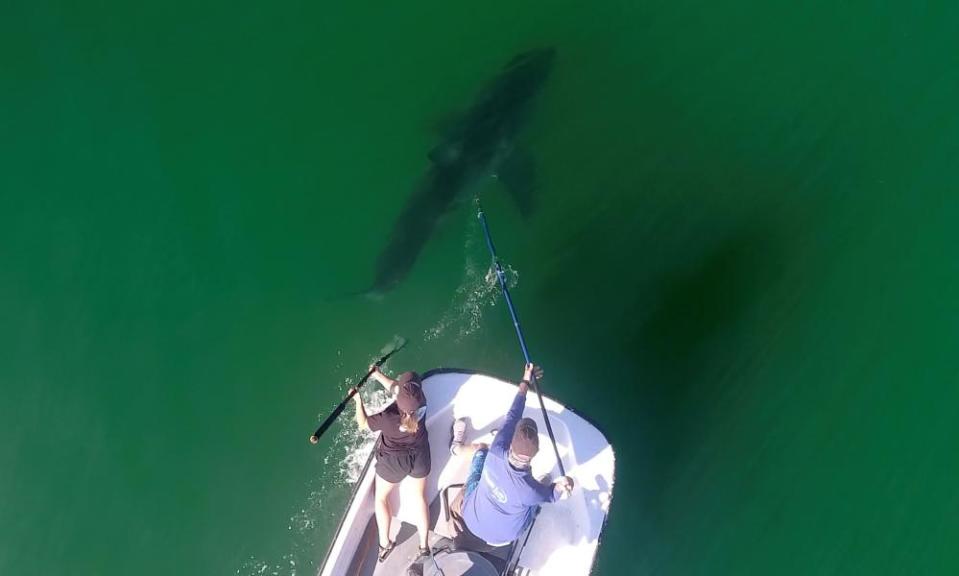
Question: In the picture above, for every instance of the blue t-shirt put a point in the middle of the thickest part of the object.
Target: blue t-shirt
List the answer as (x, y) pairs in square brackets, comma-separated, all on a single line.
[(498, 509)]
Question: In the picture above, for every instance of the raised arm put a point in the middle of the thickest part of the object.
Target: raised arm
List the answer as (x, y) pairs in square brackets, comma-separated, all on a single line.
[(505, 434), (383, 379)]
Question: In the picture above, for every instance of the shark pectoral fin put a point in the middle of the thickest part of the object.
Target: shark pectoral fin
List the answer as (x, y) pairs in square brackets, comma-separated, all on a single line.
[(518, 175)]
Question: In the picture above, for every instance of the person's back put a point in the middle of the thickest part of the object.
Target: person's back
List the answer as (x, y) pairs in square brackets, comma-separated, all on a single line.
[(502, 493)]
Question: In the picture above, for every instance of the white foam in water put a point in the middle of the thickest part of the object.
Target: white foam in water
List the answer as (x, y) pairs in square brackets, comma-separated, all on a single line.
[(349, 451), (359, 443), (477, 291)]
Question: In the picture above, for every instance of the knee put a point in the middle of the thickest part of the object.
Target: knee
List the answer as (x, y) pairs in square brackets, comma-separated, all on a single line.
[(382, 497)]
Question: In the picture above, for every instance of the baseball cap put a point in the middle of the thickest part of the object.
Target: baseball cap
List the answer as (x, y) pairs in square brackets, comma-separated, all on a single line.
[(410, 396)]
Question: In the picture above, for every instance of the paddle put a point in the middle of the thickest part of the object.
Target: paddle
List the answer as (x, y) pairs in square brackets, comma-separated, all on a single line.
[(396, 345), (519, 333)]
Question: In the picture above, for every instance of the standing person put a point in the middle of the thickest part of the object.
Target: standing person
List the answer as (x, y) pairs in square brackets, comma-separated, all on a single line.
[(402, 450), (501, 493)]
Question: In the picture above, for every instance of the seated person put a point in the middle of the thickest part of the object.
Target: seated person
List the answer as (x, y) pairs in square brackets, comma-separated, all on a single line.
[(501, 494)]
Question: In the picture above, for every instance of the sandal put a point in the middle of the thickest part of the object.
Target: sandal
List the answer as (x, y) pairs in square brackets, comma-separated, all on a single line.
[(416, 567), (385, 551)]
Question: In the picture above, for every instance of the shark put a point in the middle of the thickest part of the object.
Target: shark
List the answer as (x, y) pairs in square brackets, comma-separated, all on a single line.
[(477, 144)]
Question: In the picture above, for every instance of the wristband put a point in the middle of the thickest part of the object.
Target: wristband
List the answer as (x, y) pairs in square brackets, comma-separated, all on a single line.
[(524, 381)]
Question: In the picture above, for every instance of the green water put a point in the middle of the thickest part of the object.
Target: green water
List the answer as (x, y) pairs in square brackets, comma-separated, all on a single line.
[(743, 267)]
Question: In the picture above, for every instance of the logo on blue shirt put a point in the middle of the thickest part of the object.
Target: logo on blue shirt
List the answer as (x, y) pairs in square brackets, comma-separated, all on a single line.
[(496, 492)]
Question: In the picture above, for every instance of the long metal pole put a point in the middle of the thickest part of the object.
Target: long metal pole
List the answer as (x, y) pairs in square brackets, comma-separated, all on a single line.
[(519, 333)]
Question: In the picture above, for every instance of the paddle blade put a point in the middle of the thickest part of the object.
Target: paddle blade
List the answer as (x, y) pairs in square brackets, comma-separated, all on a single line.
[(393, 345)]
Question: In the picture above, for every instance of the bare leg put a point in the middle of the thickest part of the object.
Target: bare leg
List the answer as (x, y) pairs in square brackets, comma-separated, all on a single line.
[(382, 507), (422, 510)]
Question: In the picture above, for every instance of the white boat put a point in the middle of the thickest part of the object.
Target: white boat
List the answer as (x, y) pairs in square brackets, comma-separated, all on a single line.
[(563, 539)]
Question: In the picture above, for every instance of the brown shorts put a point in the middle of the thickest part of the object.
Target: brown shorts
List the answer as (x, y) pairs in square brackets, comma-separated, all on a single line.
[(394, 465)]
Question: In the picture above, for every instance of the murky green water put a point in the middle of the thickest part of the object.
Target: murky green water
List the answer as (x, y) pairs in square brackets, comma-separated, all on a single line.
[(743, 267)]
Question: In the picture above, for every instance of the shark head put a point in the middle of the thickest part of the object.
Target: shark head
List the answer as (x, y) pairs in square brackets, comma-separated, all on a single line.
[(497, 115), (531, 69)]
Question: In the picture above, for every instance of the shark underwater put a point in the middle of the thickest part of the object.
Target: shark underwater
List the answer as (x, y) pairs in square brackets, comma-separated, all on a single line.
[(478, 144)]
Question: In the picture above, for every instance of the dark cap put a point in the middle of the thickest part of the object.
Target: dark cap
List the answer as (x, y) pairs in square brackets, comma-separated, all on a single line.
[(525, 442), (410, 397)]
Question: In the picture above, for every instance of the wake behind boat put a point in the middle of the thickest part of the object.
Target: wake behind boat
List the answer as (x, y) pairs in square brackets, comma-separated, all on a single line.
[(565, 536)]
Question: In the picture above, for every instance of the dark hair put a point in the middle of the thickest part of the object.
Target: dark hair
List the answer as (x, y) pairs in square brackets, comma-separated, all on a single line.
[(525, 441)]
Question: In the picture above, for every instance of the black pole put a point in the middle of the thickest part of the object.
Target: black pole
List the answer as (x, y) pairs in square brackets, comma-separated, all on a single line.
[(519, 333), (339, 409)]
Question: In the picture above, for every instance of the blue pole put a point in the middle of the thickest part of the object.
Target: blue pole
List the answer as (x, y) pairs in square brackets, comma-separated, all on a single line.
[(501, 276)]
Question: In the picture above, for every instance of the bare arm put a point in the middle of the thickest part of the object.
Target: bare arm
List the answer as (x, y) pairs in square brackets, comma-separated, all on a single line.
[(361, 420), (383, 379)]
